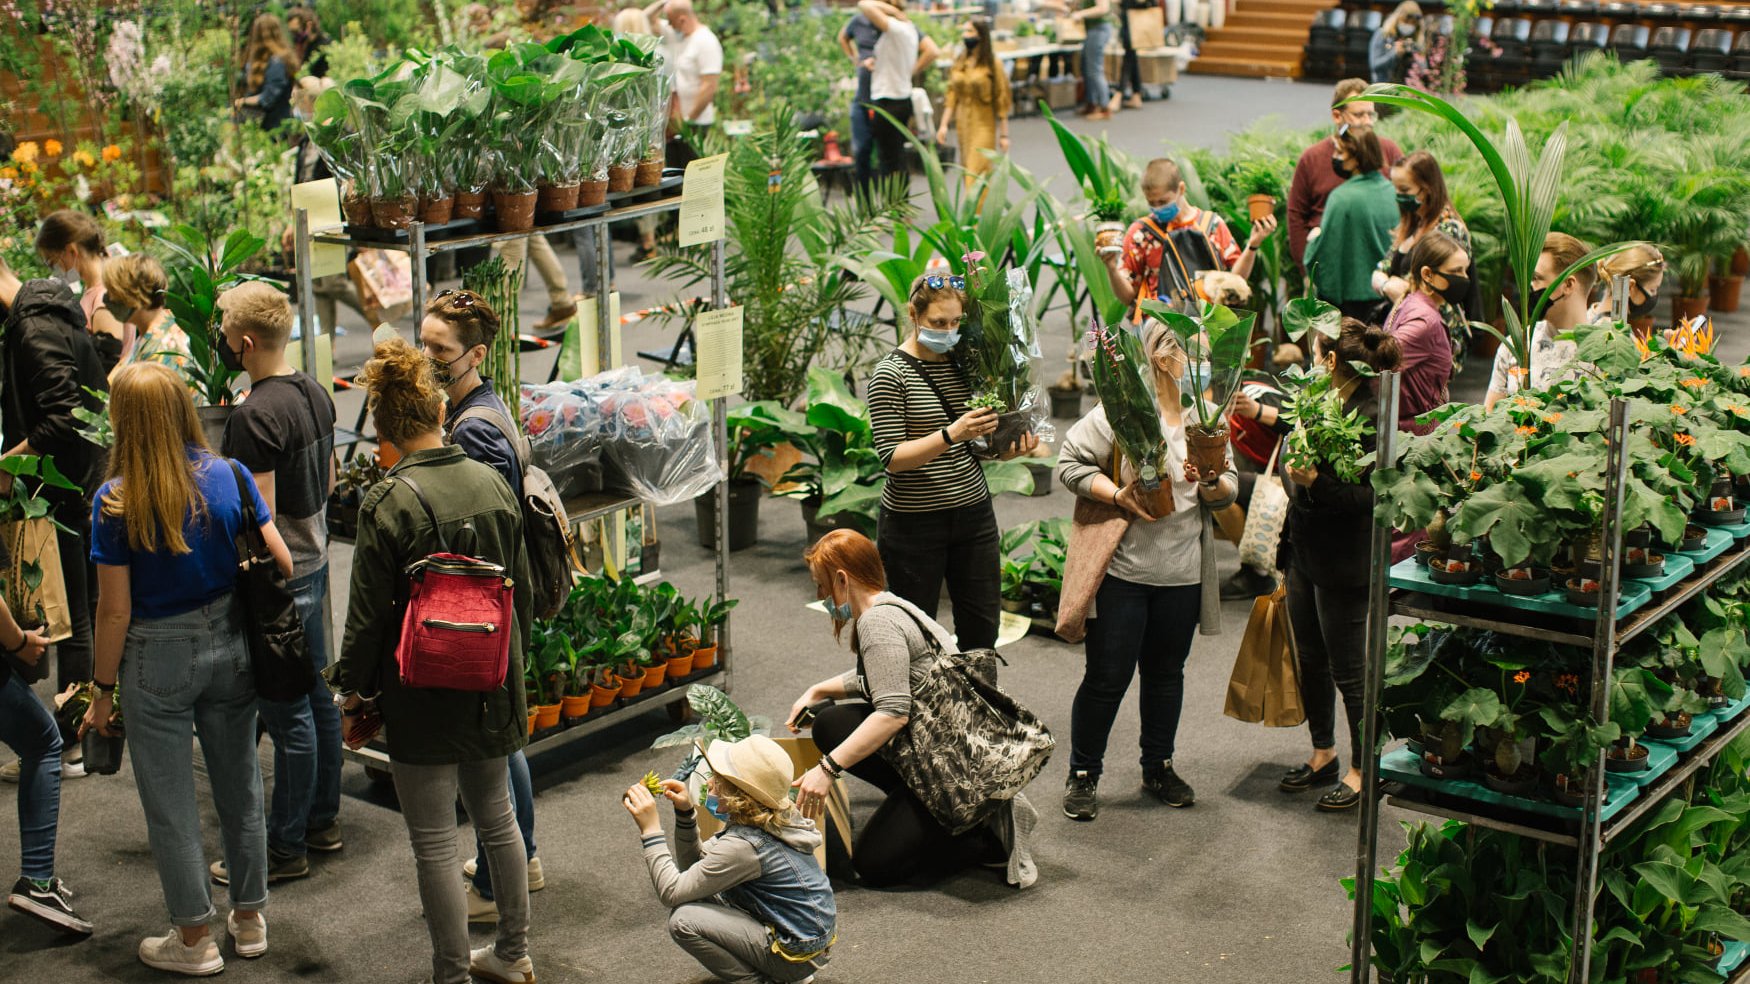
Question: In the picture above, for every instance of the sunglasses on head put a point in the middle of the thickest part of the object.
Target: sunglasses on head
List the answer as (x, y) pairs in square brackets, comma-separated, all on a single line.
[(462, 298), (937, 282)]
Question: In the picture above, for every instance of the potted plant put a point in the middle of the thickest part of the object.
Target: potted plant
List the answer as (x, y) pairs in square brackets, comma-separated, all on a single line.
[(1571, 752), (841, 476), (1216, 342), (997, 350), (712, 617), (756, 430), (682, 645), (1260, 180), (1125, 384), (1066, 392), (389, 139), (442, 110), (1109, 181), (199, 271), (334, 131), (514, 140)]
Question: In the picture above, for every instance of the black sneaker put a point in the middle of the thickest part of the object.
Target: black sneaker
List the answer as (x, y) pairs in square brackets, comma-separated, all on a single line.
[(1247, 583), (1081, 800), (52, 905), (326, 840), (1166, 785), (280, 868)]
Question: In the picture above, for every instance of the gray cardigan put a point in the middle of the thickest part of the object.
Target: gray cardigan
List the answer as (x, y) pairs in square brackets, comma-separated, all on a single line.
[(1087, 452)]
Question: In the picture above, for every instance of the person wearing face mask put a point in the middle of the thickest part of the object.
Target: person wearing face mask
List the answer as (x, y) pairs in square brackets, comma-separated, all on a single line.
[(978, 100), (1564, 308), (1356, 231), (937, 524), (902, 842), (1644, 266), (752, 904), (308, 40), (1398, 38), (1314, 178), (71, 244), (1330, 524), (1437, 280), (134, 295), (1155, 591), (457, 331), (1424, 207), (1176, 241)]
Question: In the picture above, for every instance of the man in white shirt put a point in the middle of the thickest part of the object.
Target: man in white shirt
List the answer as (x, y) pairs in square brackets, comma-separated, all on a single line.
[(891, 68), (1552, 357), (695, 56)]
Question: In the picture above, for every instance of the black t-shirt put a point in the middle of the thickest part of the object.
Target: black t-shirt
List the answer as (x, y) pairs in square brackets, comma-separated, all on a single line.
[(286, 426)]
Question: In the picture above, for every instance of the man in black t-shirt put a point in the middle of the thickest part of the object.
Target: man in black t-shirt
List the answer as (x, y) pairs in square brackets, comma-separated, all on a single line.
[(284, 433)]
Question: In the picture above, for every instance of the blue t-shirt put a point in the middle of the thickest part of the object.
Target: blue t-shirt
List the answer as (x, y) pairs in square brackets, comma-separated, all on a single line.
[(164, 583)]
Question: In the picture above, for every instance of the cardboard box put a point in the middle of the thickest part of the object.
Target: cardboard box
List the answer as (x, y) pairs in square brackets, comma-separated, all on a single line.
[(1071, 31), (1158, 68), (1060, 92), (836, 824)]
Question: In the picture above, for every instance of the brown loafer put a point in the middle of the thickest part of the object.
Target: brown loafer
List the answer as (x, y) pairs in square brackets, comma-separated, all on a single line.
[(557, 316)]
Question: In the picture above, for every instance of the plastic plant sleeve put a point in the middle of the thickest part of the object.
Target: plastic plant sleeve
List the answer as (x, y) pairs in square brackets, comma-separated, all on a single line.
[(1127, 393), (651, 434), (1004, 344)]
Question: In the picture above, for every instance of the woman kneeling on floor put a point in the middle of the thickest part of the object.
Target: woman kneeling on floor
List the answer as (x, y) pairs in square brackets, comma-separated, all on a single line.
[(775, 920)]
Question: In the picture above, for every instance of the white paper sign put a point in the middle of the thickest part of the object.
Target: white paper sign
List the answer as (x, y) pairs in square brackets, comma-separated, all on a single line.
[(701, 216), (717, 353)]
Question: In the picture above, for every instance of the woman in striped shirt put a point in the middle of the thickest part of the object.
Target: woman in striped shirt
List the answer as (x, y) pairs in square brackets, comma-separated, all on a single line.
[(936, 518)]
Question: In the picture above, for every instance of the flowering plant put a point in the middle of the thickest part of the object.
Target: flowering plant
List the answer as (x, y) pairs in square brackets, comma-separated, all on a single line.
[(997, 349), (1127, 392)]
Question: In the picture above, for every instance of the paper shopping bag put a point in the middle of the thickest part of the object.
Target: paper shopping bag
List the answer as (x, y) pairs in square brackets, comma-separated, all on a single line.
[(1265, 686), (1148, 28), (34, 586), (1071, 31)]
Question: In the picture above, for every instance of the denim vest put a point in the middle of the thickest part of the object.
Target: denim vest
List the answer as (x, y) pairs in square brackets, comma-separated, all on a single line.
[(791, 896)]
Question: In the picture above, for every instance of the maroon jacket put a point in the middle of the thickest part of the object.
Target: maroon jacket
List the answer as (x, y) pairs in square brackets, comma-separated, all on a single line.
[(1314, 180), (1427, 364)]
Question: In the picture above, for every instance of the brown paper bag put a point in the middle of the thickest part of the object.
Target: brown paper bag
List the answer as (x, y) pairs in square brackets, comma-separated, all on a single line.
[(835, 826), (1148, 28), (1071, 31), (32, 543), (1265, 685)]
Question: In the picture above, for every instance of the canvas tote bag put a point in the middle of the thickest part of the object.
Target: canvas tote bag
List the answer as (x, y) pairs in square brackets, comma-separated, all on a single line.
[(1265, 518)]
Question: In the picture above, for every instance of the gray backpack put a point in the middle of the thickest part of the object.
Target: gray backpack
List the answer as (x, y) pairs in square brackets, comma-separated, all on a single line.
[(546, 528)]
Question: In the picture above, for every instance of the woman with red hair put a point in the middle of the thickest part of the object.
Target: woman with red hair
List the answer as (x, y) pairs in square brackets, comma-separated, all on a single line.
[(902, 841)]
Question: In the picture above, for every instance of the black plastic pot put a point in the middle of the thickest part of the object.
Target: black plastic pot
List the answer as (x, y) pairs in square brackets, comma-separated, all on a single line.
[(1585, 599), (1724, 517), (1434, 768), (1652, 568), (103, 754), (1011, 427), (1639, 763), (744, 515), (818, 525), (1640, 536), (1573, 796), (1519, 784), (1066, 404), (1041, 477), (213, 420), (1539, 583), (1470, 575), (1017, 606), (1694, 538), (1669, 730)]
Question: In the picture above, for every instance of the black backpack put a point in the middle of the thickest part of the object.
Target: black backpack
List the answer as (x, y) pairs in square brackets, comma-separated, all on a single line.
[(1185, 253), (546, 528)]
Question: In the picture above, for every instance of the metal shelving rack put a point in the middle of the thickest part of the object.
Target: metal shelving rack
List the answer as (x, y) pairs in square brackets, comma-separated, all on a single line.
[(1606, 637), (582, 509)]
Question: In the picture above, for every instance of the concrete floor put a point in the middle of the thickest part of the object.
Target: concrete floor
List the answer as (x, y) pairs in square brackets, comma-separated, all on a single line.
[(1241, 888)]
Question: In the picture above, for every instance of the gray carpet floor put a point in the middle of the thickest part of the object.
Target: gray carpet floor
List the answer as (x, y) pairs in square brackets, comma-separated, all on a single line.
[(1240, 888)]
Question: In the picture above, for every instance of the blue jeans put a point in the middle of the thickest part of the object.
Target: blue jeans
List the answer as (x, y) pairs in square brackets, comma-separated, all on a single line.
[(1096, 93), (862, 138), (27, 729), (1135, 627), (182, 677), (306, 738), (522, 801)]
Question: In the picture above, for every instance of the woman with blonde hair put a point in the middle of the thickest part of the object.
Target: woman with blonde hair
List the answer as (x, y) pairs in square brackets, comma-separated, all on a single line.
[(441, 742), (135, 294), (1396, 39), (165, 528), (266, 72), (1644, 266)]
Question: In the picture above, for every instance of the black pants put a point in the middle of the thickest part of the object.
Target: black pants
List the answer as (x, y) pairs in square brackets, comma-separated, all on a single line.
[(73, 656), (1135, 627), (1330, 626), (1130, 68), (889, 140), (901, 842), (960, 546)]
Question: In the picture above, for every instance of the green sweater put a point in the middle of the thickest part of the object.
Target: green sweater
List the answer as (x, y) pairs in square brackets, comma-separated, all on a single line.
[(479, 518), (1354, 235)]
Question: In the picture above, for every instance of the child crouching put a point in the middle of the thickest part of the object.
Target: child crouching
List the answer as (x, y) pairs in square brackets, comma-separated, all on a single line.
[(752, 906)]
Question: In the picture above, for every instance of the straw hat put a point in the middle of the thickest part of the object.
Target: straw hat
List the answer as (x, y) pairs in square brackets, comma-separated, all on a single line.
[(757, 765)]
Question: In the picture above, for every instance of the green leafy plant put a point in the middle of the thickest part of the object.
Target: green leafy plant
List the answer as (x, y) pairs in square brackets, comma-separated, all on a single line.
[(24, 501), (199, 271), (719, 719), (1324, 435), (1125, 383), (1110, 181), (1216, 341)]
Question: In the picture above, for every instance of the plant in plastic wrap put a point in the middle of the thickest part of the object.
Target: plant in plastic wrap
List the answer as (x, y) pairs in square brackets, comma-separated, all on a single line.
[(565, 429), (659, 442), (997, 349), (1126, 386), (442, 112), (333, 130), (513, 140), (390, 140)]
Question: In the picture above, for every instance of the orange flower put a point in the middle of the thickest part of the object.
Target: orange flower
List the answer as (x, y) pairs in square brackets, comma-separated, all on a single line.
[(1734, 408), (1525, 430), (1569, 682), (1519, 371), (84, 158), (1694, 382), (112, 153), (1521, 401), (1523, 676), (1476, 476), (1684, 439), (1678, 410), (1744, 372), (52, 147), (8, 173), (1552, 418), (25, 152)]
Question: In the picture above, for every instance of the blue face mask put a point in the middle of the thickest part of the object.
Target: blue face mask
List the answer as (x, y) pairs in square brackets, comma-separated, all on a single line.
[(1166, 214), (1188, 382), (938, 342), (839, 611), (715, 808)]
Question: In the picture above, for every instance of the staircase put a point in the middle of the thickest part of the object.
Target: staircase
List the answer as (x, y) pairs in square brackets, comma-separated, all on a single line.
[(1261, 39)]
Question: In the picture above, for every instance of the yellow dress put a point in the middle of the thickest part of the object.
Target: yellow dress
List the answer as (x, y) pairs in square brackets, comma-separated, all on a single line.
[(977, 103)]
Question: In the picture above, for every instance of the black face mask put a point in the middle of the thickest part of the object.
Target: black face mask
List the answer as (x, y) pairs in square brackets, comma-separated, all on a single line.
[(1457, 289), (971, 43), (1407, 203), (230, 357), (1342, 168), (1543, 301), (1642, 309)]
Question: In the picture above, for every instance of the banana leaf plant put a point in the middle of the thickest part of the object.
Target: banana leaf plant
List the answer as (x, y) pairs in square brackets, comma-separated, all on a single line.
[(1109, 180)]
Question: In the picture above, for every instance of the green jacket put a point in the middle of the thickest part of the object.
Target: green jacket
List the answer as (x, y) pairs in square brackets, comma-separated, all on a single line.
[(1354, 235), (479, 518)]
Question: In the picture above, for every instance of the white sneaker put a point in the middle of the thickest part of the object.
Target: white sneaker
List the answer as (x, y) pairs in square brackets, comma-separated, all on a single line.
[(70, 769), (73, 770), (537, 877), (248, 938), (486, 964), (168, 953), (481, 910)]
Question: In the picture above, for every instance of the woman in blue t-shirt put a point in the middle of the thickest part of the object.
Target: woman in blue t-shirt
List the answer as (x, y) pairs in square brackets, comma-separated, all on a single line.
[(163, 539)]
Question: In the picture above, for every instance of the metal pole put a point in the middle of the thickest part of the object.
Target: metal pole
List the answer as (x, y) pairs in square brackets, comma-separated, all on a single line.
[(306, 295), (720, 432), (1378, 602), (1603, 648), (613, 529), (416, 255)]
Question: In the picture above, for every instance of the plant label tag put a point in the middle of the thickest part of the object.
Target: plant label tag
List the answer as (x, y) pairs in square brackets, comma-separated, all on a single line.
[(701, 215), (717, 337)]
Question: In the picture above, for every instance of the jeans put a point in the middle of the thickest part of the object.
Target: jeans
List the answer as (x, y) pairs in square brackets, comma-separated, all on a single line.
[(862, 139), (734, 946), (922, 549), (1096, 93), (428, 805), (1330, 627), (306, 738), (73, 655), (190, 674), (27, 728), (901, 842), (522, 799), (889, 137), (1137, 627)]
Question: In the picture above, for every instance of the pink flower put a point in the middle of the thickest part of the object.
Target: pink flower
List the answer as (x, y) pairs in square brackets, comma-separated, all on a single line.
[(973, 257)]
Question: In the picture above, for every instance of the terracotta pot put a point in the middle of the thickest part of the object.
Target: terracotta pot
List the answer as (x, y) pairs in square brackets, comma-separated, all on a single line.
[(680, 666), (532, 715), (1688, 307), (704, 657), (556, 198), (516, 210), (572, 708), (592, 192), (437, 211), (1208, 451), (649, 174), (469, 205), (632, 684), (1158, 501), (547, 716), (620, 177), (358, 211), (600, 696), (654, 675), (1260, 206), (1723, 293), (1740, 265), (394, 213)]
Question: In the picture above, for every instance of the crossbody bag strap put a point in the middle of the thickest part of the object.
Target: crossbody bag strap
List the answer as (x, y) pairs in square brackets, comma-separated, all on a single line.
[(518, 442), (917, 366), (443, 542), (250, 534)]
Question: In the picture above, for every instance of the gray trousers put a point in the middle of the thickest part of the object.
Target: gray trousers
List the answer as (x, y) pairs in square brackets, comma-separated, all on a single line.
[(734, 946), (428, 804)]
